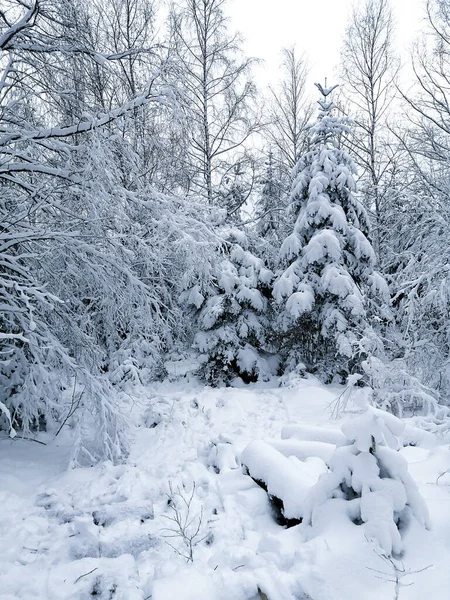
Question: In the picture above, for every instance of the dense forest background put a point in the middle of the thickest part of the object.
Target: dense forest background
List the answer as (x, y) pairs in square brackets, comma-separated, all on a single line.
[(156, 206)]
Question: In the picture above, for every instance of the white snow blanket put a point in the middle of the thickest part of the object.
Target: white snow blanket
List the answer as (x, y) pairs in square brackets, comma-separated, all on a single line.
[(111, 531)]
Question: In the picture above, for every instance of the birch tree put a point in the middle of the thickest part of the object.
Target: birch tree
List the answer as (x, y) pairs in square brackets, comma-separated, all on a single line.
[(422, 275), (291, 110), (369, 69), (88, 260), (219, 90)]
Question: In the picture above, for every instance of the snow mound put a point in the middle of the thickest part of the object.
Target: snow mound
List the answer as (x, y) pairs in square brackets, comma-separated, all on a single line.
[(310, 433)]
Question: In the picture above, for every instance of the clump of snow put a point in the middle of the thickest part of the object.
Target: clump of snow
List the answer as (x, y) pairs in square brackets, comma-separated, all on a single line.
[(304, 450)]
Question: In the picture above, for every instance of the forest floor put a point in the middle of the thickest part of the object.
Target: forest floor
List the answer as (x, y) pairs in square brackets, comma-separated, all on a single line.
[(111, 532)]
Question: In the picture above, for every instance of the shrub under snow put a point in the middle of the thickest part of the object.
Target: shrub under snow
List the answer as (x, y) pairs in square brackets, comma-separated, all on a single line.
[(372, 477), (357, 474)]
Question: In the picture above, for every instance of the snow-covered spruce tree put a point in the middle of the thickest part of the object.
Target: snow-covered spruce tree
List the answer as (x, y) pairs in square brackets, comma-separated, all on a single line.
[(230, 313), (369, 482), (329, 289), (270, 209), (269, 204), (236, 187)]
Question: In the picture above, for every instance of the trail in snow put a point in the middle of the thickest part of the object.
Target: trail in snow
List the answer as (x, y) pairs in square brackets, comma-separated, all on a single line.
[(106, 531)]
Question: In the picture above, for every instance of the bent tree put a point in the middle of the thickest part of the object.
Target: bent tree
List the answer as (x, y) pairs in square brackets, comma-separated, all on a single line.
[(66, 220)]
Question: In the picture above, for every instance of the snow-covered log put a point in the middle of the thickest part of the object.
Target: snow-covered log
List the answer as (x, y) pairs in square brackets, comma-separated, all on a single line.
[(311, 433), (285, 484)]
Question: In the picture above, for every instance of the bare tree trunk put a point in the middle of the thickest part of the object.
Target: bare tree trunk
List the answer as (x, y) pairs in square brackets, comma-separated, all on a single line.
[(207, 150)]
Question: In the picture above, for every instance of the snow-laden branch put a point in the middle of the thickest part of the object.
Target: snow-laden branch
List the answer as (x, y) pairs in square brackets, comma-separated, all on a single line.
[(28, 20), (84, 126)]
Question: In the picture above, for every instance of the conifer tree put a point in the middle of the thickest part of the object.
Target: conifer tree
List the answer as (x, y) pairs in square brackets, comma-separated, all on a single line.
[(236, 188), (269, 206), (230, 316), (328, 280)]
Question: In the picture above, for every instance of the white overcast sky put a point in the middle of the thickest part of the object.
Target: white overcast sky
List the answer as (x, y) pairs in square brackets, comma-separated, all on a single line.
[(314, 26)]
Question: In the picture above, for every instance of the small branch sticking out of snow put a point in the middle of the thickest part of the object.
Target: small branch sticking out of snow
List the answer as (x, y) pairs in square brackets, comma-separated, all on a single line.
[(398, 572), (185, 526), (85, 575)]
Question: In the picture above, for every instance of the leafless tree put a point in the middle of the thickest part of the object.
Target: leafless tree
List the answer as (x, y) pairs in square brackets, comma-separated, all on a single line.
[(185, 525), (429, 131), (369, 71), (219, 91), (291, 109), (395, 572), (423, 224), (64, 214)]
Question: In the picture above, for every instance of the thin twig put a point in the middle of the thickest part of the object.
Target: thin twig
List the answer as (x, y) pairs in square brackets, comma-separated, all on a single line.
[(21, 437), (85, 575), (441, 475), (72, 408)]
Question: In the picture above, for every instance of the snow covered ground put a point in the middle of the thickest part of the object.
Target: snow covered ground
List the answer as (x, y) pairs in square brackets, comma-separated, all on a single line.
[(116, 532)]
